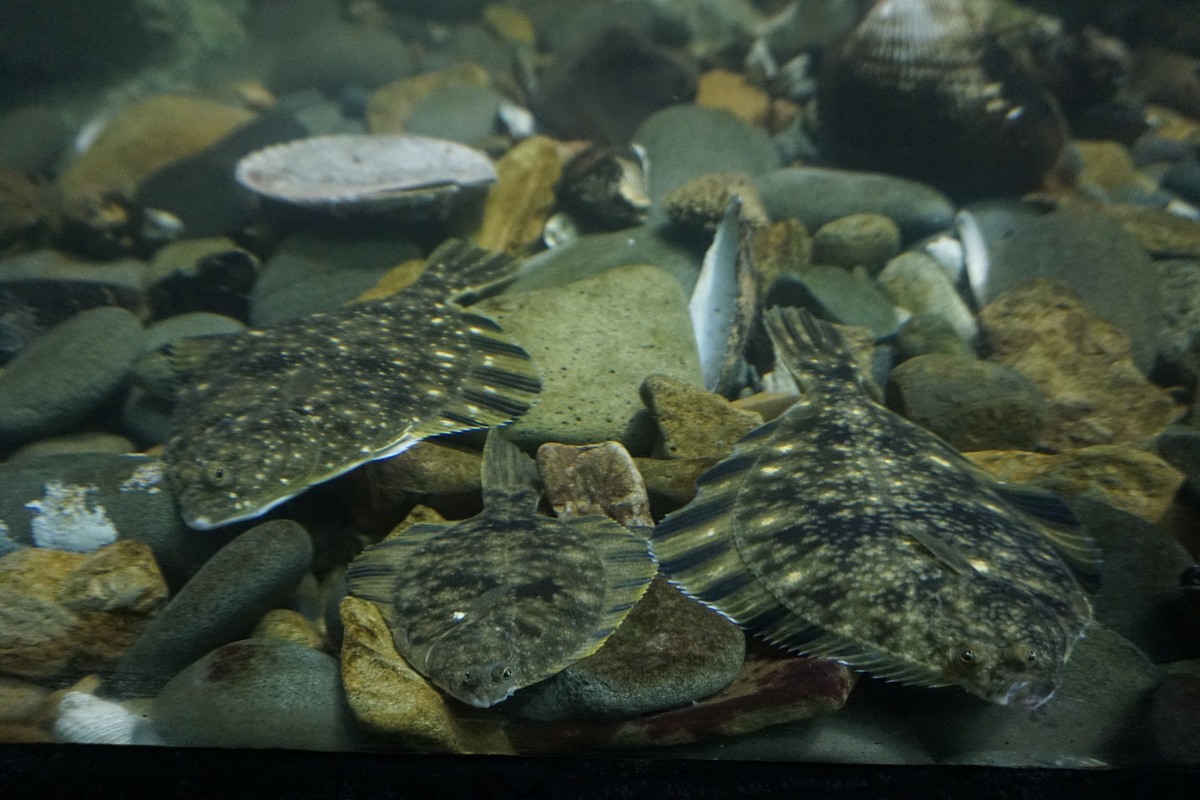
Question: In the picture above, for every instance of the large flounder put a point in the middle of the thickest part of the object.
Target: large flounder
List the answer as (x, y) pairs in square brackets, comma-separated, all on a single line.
[(274, 411), (507, 598), (842, 530)]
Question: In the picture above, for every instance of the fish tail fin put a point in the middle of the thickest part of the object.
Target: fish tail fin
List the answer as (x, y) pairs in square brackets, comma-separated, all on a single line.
[(507, 472), (466, 272), (811, 349)]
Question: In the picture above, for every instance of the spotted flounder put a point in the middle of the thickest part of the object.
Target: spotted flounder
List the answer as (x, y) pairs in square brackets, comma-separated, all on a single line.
[(842, 530), (277, 410), (507, 598)]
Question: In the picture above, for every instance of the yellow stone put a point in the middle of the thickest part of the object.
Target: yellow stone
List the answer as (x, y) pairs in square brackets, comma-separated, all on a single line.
[(510, 24), (1159, 231), (719, 88), (285, 625), (1132, 480), (522, 198), (1109, 166), (390, 106), (390, 698), (397, 278), (146, 136), (1170, 124)]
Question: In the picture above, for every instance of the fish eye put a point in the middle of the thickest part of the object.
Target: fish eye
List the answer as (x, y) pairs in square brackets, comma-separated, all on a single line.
[(967, 657), (218, 475), (1031, 657)]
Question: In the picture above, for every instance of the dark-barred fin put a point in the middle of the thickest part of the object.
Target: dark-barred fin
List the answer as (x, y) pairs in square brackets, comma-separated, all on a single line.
[(811, 641), (811, 349), (1058, 523), (372, 575), (467, 272), (509, 475)]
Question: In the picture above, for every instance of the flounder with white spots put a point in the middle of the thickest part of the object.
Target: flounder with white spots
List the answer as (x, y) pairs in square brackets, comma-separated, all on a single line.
[(274, 411), (507, 598), (842, 530)]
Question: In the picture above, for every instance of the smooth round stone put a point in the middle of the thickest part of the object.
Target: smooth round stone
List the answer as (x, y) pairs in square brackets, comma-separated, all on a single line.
[(914, 281), (310, 273), (973, 405), (924, 334), (857, 240), (87, 442), (596, 340), (844, 296), (67, 373), (1104, 264), (459, 113), (254, 573), (686, 141), (1184, 178), (256, 693), (816, 195), (146, 417)]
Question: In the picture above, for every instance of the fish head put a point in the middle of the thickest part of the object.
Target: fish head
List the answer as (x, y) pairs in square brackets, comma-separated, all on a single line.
[(1005, 673), (478, 669), (220, 476)]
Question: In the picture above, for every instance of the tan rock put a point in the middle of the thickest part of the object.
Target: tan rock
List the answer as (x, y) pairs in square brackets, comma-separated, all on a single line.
[(287, 626), (1170, 124), (395, 279), (60, 609), (1159, 231), (700, 203), (390, 106), (146, 136), (510, 24), (1109, 167), (857, 240), (693, 422), (21, 701), (594, 479), (719, 88), (673, 479), (390, 698), (1081, 363), (16, 733), (1132, 480), (522, 198), (779, 248)]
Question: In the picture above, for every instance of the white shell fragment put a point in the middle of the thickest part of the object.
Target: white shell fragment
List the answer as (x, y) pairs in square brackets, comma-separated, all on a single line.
[(86, 719), (364, 171)]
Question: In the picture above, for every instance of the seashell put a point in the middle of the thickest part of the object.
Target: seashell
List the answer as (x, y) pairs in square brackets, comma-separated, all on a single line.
[(379, 172), (918, 89), (606, 186), (86, 719)]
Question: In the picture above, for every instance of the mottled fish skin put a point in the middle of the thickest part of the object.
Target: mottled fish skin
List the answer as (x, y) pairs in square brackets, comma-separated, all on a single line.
[(507, 598), (283, 408), (842, 530)]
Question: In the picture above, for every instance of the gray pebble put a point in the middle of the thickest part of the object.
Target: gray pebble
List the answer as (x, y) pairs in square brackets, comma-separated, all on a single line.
[(816, 196), (686, 141), (1184, 178), (857, 240), (459, 113), (973, 405), (252, 574), (256, 693), (844, 296), (924, 334), (67, 373), (914, 281)]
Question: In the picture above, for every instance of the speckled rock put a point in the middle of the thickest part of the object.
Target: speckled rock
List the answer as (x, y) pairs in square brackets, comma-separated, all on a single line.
[(315, 272), (857, 240), (700, 203), (668, 652), (390, 698), (1132, 480), (144, 137), (1082, 364), (256, 693), (678, 154), (839, 295), (915, 282), (1160, 232), (778, 249), (580, 480), (694, 423), (816, 196), (596, 340), (1102, 264), (973, 405), (252, 574), (67, 373), (61, 610), (285, 625)]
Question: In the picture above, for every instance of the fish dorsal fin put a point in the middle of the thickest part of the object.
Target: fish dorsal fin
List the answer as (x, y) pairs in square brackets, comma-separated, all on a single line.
[(1057, 522), (811, 349), (509, 476), (468, 273)]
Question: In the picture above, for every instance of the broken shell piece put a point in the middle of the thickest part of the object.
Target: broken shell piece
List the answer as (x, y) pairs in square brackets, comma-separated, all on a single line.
[(366, 172), (86, 719)]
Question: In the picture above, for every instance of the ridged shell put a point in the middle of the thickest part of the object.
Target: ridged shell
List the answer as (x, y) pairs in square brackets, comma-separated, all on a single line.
[(918, 89), (87, 719), (370, 172)]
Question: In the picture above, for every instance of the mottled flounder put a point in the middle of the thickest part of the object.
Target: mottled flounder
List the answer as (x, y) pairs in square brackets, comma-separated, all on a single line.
[(842, 530), (277, 410), (507, 598)]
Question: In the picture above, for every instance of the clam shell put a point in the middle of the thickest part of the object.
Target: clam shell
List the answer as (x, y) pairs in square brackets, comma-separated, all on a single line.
[(86, 719), (368, 172)]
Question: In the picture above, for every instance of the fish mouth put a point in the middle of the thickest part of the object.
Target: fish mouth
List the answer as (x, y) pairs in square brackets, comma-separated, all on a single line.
[(1029, 695)]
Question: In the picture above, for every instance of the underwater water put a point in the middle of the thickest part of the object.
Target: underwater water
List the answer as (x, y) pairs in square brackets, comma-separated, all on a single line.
[(720, 379)]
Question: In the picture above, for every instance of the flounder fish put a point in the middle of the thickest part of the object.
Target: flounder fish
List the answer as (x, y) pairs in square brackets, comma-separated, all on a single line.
[(507, 598), (842, 530), (274, 411)]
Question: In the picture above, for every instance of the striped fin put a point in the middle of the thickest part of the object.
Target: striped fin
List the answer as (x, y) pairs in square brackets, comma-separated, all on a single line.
[(812, 350), (501, 384), (466, 273), (372, 575)]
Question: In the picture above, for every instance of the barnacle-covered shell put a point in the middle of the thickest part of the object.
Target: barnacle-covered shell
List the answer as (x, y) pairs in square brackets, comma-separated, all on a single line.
[(918, 89), (366, 172)]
